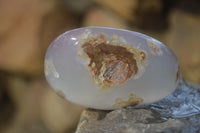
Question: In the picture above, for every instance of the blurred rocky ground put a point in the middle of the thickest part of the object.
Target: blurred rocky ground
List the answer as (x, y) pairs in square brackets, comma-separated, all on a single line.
[(177, 113), (27, 27)]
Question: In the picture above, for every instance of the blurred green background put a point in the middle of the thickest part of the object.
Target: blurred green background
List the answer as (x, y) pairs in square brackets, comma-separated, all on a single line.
[(27, 27)]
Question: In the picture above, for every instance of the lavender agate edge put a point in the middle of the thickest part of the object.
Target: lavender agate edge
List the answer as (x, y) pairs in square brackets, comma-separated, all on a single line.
[(106, 68)]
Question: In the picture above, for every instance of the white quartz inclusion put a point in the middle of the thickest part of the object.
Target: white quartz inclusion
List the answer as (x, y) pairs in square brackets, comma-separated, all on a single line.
[(68, 73)]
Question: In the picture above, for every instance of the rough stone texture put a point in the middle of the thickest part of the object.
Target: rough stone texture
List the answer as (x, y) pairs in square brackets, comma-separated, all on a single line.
[(179, 112), (27, 28), (6, 104), (20, 22), (145, 14), (37, 108), (58, 114), (178, 19), (79, 7), (183, 37), (105, 18), (124, 9)]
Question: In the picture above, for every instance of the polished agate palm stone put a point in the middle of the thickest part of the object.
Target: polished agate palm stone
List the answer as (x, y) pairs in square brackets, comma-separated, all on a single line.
[(107, 68)]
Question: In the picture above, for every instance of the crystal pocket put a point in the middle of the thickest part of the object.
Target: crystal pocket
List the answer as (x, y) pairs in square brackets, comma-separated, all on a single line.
[(107, 68)]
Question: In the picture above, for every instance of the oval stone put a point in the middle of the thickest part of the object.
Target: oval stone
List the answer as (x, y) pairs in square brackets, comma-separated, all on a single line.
[(107, 68)]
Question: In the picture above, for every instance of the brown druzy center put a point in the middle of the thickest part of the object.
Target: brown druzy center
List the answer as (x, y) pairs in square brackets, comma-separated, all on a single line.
[(114, 63), (116, 72)]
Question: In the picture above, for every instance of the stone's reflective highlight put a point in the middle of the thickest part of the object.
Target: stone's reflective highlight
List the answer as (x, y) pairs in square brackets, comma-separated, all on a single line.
[(107, 68)]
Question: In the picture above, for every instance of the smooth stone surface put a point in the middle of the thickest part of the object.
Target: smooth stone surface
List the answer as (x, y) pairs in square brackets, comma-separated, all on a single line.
[(178, 113), (107, 68)]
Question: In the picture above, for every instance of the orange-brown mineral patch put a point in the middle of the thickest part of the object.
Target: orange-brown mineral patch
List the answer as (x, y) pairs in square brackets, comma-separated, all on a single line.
[(111, 63), (47, 72), (155, 48), (143, 55), (132, 101), (50, 68)]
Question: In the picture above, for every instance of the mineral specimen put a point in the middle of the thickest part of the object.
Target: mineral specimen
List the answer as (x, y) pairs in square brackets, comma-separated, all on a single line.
[(107, 68)]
